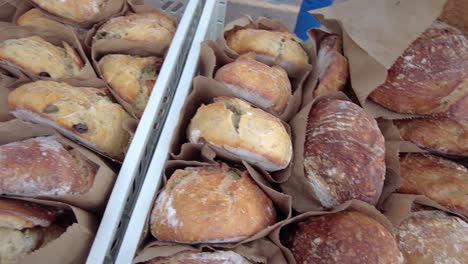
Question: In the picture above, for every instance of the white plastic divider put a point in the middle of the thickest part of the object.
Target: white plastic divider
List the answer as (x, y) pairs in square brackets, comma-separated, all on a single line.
[(211, 25), (138, 156)]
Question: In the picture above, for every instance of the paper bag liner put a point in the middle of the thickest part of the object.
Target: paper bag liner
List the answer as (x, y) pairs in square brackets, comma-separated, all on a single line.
[(95, 199), (204, 90), (375, 34), (73, 245), (214, 57), (112, 8), (282, 232), (292, 69), (8, 9), (260, 251), (5, 82)]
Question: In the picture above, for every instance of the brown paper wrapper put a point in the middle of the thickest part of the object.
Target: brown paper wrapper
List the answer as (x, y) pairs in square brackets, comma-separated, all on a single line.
[(204, 90), (73, 245), (8, 9), (5, 82), (369, 30), (281, 233), (96, 198), (213, 57)]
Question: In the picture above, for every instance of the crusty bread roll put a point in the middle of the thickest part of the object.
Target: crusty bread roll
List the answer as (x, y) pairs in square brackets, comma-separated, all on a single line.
[(332, 66), (43, 166), (210, 204), (236, 126), (216, 257), (283, 47), (25, 227), (266, 87), (430, 76), (34, 17), (85, 114), (154, 27), (443, 135), (79, 11), (433, 237), (344, 237), (131, 77), (344, 153), (41, 58), (442, 180)]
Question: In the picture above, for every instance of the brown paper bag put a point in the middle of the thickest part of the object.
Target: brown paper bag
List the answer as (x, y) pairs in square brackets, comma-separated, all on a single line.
[(375, 34), (8, 9), (204, 90), (6, 80), (281, 233), (73, 245), (96, 198)]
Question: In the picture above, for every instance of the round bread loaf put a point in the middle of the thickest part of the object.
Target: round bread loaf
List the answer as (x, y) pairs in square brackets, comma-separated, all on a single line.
[(217, 257), (273, 45), (344, 153), (442, 180), (210, 204), (79, 11), (264, 86), (344, 237), (442, 135), (433, 237), (236, 126), (35, 17)]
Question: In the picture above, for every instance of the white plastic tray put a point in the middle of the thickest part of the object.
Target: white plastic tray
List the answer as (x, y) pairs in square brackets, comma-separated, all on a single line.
[(139, 154), (211, 25)]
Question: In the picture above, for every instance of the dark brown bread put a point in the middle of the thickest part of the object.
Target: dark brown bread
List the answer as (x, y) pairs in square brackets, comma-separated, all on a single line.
[(344, 153), (344, 237)]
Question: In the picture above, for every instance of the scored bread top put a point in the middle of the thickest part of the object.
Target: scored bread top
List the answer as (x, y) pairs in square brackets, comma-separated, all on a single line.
[(18, 214), (79, 11)]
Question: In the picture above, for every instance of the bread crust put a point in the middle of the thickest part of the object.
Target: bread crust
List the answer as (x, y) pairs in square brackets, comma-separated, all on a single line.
[(442, 180), (343, 237), (219, 197), (34, 17), (216, 257), (236, 126), (79, 11), (344, 153)]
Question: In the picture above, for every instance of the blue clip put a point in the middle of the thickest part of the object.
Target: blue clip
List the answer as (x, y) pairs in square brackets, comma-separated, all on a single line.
[(305, 21)]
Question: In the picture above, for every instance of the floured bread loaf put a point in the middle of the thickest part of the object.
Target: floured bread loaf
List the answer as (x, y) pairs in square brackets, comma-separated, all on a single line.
[(433, 237), (236, 126), (210, 204), (85, 114), (35, 17), (344, 153), (41, 58), (43, 166), (216, 257), (79, 11)]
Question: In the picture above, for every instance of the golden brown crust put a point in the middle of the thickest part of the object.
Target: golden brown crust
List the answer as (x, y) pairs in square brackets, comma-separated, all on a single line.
[(280, 46), (332, 66), (43, 166), (433, 237), (267, 87), (442, 180), (344, 153), (344, 237), (18, 214), (431, 76), (79, 11), (236, 126), (131, 77), (441, 135), (186, 257), (35, 17), (210, 204), (41, 58), (82, 113)]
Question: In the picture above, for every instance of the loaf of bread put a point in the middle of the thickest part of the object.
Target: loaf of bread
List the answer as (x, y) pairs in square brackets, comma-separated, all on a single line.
[(344, 153), (442, 135), (236, 126), (454, 14), (41, 58), (273, 45), (266, 87), (433, 237), (344, 237), (79, 11), (43, 166), (82, 113), (332, 66), (210, 204), (131, 77), (442, 180), (430, 76), (26, 227), (34, 17), (154, 27), (216, 257)]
